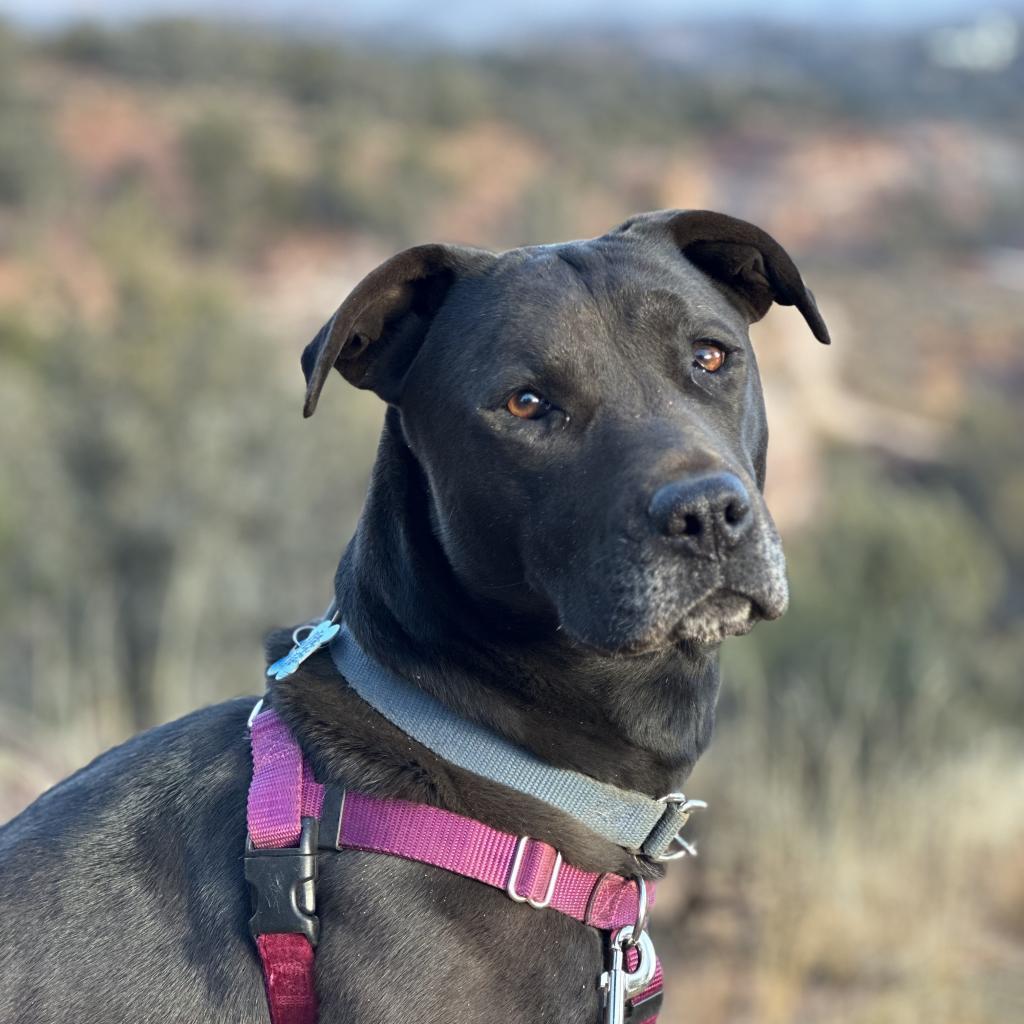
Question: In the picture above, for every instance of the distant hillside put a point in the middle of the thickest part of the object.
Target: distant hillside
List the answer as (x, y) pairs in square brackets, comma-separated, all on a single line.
[(519, 144)]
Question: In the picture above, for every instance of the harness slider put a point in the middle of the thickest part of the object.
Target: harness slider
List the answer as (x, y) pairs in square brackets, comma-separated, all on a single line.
[(513, 877)]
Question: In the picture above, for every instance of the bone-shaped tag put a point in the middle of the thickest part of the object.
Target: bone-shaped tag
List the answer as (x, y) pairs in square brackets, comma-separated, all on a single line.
[(322, 633)]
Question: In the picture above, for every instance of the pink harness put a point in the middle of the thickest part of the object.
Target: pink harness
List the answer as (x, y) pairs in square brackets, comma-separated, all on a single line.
[(291, 816)]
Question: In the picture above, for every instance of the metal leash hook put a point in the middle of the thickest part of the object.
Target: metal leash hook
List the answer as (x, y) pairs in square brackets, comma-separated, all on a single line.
[(618, 983)]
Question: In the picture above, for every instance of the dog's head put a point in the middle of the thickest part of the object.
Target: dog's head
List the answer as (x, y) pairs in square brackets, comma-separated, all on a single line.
[(588, 419)]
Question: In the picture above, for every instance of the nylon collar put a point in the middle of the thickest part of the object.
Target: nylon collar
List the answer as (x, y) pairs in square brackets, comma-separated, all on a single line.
[(638, 823)]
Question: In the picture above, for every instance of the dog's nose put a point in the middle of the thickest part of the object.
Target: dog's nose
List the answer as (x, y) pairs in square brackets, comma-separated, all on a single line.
[(711, 513)]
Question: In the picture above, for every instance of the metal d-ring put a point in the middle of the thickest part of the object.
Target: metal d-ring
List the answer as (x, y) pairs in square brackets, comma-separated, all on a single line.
[(640, 927), (256, 709)]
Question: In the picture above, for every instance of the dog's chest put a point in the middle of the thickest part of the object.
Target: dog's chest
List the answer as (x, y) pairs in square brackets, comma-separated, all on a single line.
[(404, 942)]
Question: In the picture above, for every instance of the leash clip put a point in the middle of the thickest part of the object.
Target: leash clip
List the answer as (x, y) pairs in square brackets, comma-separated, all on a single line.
[(619, 984), (283, 886)]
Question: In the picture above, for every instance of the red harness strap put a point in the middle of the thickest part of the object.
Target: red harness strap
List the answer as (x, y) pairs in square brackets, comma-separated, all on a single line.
[(288, 960), (286, 830)]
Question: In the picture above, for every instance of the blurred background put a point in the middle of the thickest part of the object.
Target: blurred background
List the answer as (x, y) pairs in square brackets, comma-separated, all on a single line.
[(188, 190)]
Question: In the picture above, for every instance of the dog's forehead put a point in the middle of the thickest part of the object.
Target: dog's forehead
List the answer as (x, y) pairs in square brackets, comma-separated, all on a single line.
[(579, 310), (619, 281)]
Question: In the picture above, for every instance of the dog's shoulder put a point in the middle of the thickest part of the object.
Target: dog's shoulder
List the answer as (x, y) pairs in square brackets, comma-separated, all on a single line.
[(136, 858), (160, 782)]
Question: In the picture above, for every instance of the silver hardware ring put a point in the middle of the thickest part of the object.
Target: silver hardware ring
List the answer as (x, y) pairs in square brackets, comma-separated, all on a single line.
[(307, 629), (640, 927), (256, 709)]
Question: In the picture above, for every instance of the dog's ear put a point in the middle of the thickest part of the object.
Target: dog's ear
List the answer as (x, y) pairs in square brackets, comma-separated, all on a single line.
[(376, 332), (740, 256)]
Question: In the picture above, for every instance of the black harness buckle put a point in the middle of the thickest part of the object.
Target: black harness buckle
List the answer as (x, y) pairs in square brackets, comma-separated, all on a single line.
[(282, 882)]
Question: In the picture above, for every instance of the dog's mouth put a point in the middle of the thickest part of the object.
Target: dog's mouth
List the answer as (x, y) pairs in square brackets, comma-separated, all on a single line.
[(708, 622), (696, 604), (718, 616)]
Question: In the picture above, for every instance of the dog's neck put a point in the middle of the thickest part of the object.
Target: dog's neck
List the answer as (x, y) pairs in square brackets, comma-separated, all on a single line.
[(639, 722)]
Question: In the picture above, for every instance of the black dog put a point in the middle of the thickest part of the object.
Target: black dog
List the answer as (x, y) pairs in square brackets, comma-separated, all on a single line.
[(565, 519)]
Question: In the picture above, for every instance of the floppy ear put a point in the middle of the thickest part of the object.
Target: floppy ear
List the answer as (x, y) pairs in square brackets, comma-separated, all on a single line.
[(740, 256), (374, 336)]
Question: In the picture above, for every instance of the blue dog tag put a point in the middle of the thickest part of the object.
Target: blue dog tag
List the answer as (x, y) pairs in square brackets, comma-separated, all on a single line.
[(322, 633)]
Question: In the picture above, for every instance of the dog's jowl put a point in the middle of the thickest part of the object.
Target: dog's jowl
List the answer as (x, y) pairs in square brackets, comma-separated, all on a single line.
[(458, 801)]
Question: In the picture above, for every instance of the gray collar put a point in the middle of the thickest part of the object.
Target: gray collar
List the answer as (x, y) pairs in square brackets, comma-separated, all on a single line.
[(635, 821)]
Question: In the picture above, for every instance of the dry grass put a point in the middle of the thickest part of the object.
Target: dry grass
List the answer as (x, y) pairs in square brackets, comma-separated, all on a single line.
[(892, 899)]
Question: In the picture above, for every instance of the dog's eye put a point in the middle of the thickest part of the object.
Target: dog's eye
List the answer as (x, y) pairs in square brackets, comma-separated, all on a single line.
[(708, 356), (528, 405)]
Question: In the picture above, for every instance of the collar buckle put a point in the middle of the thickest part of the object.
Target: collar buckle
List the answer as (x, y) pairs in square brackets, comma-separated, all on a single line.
[(666, 842)]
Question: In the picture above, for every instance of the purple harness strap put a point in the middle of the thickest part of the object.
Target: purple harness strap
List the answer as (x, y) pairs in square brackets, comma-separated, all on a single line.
[(283, 789), (474, 850), (283, 793)]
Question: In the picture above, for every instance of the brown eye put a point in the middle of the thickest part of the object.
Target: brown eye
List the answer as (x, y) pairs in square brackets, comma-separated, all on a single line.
[(708, 357), (527, 405)]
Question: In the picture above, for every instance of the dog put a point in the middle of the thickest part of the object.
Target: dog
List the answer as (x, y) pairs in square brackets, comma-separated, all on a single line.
[(565, 519)]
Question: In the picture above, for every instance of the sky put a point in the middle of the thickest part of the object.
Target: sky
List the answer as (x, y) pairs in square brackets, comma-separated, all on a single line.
[(473, 20)]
